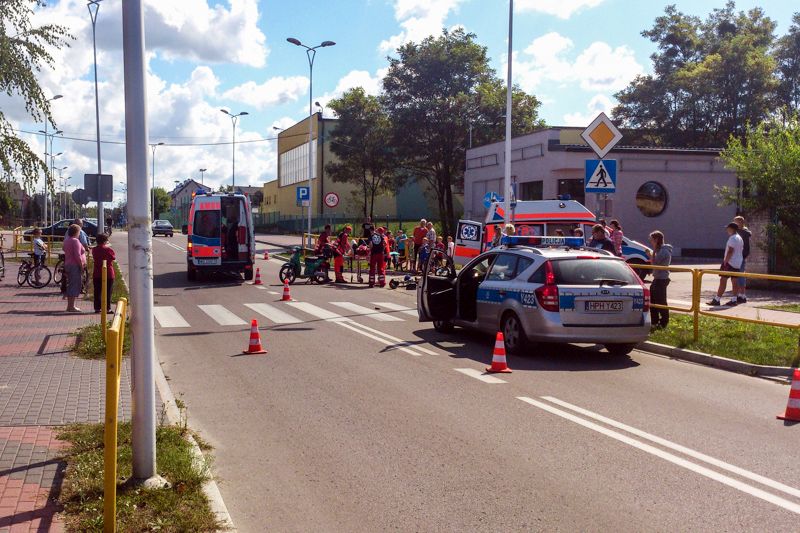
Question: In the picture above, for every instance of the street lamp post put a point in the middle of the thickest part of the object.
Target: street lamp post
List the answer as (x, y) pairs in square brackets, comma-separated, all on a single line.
[(153, 147), (46, 120), (507, 167), (311, 52), (94, 7), (63, 183), (234, 119), (202, 173)]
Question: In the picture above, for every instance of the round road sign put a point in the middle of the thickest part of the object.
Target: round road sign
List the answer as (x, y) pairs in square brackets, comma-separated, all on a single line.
[(79, 196), (331, 199)]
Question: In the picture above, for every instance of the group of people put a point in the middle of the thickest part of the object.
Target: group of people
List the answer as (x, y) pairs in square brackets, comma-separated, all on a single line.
[(76, 250), (383, 248)]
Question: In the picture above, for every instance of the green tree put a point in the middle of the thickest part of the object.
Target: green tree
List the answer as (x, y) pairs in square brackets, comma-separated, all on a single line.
[(6, 201), (163, 201), (361, 141), (433, 92), (787, 56), (24, 50), (767, 161), (710, 79)]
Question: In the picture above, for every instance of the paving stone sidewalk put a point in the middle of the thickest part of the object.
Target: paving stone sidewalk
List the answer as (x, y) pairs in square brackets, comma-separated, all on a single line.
[(42, 387)]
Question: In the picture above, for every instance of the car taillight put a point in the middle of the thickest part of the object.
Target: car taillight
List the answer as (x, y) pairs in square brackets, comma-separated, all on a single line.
[(547, 294)]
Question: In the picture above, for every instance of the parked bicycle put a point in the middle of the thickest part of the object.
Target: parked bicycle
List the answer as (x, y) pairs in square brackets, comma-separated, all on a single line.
[(36, 276), (59, 278)]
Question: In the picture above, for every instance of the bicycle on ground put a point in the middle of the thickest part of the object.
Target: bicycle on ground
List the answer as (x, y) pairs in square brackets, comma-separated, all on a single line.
[(37, 276)]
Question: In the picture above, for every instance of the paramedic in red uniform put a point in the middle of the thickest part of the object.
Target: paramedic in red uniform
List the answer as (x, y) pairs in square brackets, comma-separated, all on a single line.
[(324, 238), (341, 248), (379, 249)]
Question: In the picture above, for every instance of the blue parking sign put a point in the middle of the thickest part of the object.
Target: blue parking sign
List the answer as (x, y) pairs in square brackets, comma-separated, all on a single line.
[(303, 194)]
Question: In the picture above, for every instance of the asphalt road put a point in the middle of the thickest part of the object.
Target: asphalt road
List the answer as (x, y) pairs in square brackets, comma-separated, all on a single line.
[(360, 418)]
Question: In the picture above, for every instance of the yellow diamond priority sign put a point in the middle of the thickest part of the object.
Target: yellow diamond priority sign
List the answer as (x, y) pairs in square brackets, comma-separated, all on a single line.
[(601, 135)]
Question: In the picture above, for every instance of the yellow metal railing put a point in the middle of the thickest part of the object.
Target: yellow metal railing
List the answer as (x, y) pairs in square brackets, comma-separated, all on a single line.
[(647, 267), (115, 336)]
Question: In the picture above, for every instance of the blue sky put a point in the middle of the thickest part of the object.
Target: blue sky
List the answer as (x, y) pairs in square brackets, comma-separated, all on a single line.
[(573, 54)]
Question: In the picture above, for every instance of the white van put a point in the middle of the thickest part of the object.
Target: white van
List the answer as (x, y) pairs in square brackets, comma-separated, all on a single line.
[(535, 218)]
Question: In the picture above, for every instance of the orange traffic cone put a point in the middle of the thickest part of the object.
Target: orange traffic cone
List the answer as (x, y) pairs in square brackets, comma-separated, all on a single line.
[(266, 255), (255, 340), (258, 277), (286, 296), (499, 356), (793, 406)]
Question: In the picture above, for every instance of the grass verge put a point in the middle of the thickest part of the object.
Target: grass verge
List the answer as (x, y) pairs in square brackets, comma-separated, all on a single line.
[(791, 308), (89, 343), (182, 507), (753, 343)]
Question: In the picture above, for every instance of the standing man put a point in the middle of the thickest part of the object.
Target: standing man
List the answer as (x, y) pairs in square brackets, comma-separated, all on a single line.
[(419, 233), (732, 262), (745, 234), (339, 251), (431, 234), (379, 249)]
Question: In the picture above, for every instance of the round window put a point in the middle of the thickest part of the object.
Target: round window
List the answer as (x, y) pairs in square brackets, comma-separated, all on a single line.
[(651, 199)]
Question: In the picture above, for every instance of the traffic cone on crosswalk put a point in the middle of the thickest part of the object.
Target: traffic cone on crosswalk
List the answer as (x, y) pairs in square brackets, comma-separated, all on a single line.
[(266, 255), (499, 356), (258, 277), (793, 406), (255, 340), (286, 296)]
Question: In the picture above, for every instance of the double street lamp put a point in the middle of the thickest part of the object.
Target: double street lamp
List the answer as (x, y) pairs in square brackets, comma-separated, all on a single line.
[(311, 52), (234, 119), (94, 8), (202, 173)]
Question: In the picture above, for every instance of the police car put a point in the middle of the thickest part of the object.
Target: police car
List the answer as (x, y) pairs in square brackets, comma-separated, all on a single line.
[(539, 289)]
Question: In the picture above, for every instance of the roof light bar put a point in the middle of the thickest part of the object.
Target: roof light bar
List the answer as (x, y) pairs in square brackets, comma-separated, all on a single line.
[(519, 240)]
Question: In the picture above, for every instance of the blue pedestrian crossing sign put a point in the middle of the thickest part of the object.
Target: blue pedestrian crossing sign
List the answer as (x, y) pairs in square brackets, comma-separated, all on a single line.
[(601, 175), (303, 194)]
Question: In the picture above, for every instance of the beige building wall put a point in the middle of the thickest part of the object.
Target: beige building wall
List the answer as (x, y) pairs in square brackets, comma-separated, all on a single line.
[(270, 192)]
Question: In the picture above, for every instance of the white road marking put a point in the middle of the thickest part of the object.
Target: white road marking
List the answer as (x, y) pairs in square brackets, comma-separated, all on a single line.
[(674, 459), (477, 374), (678, 448), (352, 326), (366, 311), (174, 246), (313, 310), (395, 339), (274, 314), (272, 292), (222, 316), (169, 317), (263, 288), (397, 307)]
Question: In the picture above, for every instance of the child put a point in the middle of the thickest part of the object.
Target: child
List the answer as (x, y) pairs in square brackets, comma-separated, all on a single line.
[(39, 251), (451, 247), (99, 253), (401, 248), (424, 252)]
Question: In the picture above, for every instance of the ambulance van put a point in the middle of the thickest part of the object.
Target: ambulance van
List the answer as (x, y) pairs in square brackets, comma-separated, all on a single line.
[(535, 218), (220, 235)]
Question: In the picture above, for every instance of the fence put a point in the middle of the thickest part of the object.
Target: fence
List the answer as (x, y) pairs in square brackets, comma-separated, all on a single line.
[(696, 311), (20, 245), (115, 336)]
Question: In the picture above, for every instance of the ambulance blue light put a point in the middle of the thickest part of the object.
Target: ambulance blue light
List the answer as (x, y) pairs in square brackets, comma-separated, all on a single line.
[(519, 240)]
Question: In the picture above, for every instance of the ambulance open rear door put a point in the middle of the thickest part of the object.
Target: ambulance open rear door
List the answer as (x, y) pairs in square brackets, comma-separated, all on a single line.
[(468, 241)]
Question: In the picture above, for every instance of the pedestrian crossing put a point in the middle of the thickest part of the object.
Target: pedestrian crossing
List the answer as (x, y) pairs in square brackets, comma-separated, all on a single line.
[(282, 313)]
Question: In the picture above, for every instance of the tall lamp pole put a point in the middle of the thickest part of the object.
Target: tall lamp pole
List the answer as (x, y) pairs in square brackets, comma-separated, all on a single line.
[(46, 121), (94, 7), (202, 174), (507, 167), (64, 191), (311, 52), (234, 119), (153, 147)]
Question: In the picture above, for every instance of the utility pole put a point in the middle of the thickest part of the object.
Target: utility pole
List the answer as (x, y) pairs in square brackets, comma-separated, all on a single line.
[(94, 7), (140, 248), (507, 169)]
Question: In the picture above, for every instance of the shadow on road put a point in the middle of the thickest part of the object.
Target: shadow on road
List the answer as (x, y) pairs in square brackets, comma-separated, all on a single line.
[(177, 280), (466, 344)]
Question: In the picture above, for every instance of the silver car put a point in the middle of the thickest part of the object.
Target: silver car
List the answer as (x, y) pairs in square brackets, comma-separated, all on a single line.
[(551, 293)]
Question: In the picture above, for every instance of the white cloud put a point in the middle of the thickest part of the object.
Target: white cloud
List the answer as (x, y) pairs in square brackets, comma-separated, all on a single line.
[(418, 20), (598, 103), (278, 90), (599, 67), (563, 9), (355, 78)]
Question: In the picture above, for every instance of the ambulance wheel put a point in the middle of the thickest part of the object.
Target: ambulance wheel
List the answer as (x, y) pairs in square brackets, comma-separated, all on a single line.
[(248, 274), (513, 334), (191, 274), (393, 283), (443, 326)]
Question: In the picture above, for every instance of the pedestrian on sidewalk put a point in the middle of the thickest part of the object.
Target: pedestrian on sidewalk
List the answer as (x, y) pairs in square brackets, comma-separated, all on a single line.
[(616, 237), (661, 256), (402, 249), (431, 235), (599, 239), (732, 262), (451, 248), (99, 253), (745, 234), (39, 251), (417, 236), (340, 249), (74, 263)]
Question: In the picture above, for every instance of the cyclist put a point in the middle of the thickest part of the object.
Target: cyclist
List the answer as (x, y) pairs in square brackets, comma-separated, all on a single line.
[(39, 252)]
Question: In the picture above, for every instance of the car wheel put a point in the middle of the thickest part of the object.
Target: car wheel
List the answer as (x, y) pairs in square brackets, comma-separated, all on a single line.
[(443, 326), (248, 274), (620, 349), (514, 335)]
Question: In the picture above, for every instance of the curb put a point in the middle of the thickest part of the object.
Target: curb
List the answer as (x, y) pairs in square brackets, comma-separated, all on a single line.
[(722, 363), (210, 487)]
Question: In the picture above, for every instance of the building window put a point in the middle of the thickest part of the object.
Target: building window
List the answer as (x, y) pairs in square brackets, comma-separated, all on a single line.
[(651, 199), (294, 165), (573, 188), (531, 190)]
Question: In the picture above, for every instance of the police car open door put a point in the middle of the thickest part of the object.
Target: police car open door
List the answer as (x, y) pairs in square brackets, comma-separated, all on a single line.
[(469, 238), (436, 293)]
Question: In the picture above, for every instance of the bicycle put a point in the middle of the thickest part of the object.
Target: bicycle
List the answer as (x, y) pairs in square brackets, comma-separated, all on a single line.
[(59, 278), (36, 276)]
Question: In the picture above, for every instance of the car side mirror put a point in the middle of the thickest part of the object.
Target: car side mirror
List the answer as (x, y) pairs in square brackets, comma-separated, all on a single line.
[(185, 229)]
